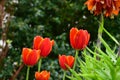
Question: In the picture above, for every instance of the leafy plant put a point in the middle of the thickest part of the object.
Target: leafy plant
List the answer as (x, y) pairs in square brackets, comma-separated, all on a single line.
[(100, 64)]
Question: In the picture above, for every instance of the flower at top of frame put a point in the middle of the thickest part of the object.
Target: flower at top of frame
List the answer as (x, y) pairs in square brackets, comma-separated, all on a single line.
[(107, 7)]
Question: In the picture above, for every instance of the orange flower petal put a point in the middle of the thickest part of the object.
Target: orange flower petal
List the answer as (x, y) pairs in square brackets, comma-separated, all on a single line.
[(70, 61), (45, 47), (25, 53), (73, 32), (62, 61), (66, 61), (52, 42), (87, 37), (79, 40), (115, 12), (30, 57), (44, 75), (108, 7), (37, 41), (90, 4)]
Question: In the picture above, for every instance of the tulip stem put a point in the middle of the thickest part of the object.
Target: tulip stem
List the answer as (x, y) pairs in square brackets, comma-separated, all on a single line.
[(76, 56), (39, 64), (64, 75), (27, 74)]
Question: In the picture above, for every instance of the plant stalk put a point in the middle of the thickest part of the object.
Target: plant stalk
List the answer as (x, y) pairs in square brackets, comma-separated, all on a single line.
[(100, 31), (64, 75), (27, 74), (76, 56), (39, 64)]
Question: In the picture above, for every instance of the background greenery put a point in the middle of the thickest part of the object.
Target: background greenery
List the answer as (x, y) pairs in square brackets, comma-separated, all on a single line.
[(49, 18)]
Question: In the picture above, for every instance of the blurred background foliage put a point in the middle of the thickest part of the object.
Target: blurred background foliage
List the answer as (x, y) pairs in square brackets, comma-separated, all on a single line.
[(48, 18)]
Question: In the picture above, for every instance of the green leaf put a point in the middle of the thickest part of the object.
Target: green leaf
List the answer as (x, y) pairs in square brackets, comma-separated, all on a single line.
[(111, 36)]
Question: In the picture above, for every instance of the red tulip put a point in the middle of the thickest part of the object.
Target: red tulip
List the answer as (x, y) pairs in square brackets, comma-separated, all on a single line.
[(44, 75), (79, 38), (30, 57), (45, 45), (65, 61)]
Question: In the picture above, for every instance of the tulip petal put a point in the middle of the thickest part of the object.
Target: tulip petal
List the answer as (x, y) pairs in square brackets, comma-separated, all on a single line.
[(30, 57), (66, 61), (79, 38), (45, 47), (73, 32), (52, 42), (25, 53), (33, 57), (87, 35), (62, 61), (70, 61), (37, 41), (44, 75)]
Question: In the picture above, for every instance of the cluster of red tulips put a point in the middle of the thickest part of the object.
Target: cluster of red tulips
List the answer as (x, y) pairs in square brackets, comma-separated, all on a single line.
[(42, 48)]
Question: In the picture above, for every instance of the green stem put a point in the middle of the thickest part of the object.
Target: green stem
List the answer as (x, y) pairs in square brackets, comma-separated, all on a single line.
[(64, 75), (27, 74), (39, 64), (76, 56), (95, 55), (100, 30)]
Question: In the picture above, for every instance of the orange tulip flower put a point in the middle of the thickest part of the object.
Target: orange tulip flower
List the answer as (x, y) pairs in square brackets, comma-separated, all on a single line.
[(79, 38), (44, 44), (108, 7), (44, 75), (30, 57), (65, 61)]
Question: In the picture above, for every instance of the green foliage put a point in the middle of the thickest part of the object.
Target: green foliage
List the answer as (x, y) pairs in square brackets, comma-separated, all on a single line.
[(48, 18), (62, 46)]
